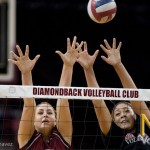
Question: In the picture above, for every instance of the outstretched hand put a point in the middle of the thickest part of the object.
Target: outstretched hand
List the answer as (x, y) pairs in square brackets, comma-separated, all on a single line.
[(113, 53), (86, 60), (22, 61), (69, 58)]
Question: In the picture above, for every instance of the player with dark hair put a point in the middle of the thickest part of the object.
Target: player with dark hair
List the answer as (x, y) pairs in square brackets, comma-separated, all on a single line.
[(122, 129), (40, 126)]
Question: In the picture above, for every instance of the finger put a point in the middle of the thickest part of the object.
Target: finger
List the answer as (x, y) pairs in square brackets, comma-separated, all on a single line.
[(96, 53), (81, 44), (14, 55), (36, 58), (119, 46), (59, 53), (77, 44), (104, 48), (107, 44), (12, 61), (68, 44), (104, 58), (74, 42), (19, 51), (85, 46), (27, 50), (114, 43), (79, 47)]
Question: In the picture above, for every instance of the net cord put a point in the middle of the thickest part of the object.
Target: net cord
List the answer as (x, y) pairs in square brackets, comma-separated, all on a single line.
[(82, 93)]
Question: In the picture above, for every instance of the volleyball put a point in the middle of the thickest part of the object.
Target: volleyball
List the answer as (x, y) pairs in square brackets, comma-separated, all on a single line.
[(101, 11)]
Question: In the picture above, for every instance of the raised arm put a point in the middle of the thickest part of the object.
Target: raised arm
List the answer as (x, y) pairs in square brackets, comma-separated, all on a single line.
[(64, 120), (113, 58), (25, 65), (101, 110)]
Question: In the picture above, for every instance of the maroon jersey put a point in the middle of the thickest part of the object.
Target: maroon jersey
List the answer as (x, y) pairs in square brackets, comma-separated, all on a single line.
[(56, 142)]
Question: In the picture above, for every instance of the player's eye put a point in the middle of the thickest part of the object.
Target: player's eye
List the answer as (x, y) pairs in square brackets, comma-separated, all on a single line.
[(40, 113), (49, 113), (117, 114), (127, 110)]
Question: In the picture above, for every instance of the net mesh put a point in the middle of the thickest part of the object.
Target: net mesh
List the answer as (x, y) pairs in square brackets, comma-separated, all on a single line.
[(86, 131), (10, 111)]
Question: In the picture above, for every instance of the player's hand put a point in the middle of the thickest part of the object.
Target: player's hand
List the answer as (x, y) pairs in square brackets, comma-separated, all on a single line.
[(69, 58), (22, 61), (86, 60), (113, 53)]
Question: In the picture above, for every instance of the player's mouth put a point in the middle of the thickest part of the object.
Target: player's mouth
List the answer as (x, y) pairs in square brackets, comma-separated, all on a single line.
[(45, 121)]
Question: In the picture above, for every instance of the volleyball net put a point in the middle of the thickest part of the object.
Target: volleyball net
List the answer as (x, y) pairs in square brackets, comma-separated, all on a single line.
[(86, 133), (54, 92)]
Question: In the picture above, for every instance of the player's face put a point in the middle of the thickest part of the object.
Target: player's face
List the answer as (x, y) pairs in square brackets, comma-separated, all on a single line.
[(44, 117), (124, 116)]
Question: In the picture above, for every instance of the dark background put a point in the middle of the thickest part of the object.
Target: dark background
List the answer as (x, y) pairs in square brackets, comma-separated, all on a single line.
[(45, 25)]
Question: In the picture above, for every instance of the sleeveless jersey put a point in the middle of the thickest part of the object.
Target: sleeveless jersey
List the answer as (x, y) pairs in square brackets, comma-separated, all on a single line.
[(56, 142)]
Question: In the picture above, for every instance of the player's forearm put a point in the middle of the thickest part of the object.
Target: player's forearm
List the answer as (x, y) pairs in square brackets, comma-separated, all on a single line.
[(66, 76), (124, 76), (64, 121), (90, 78), (27, 79)]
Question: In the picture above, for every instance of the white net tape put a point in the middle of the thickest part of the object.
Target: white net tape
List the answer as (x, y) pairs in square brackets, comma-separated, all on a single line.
[(53, 92)]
